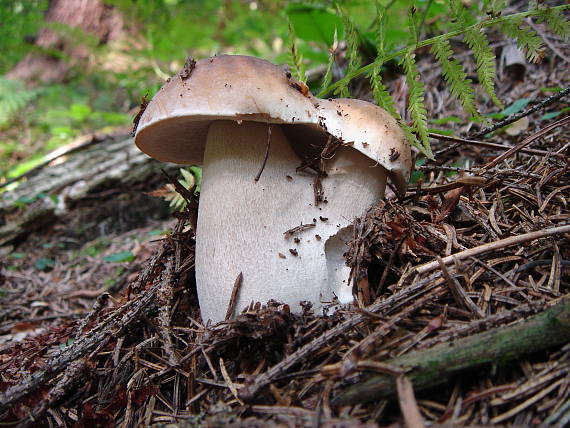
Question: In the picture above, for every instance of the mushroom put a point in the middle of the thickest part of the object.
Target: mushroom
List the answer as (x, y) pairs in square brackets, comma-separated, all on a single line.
[(240, 116)]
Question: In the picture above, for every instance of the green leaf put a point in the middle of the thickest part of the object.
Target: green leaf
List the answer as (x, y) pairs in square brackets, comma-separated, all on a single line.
[(444, 120), (527, 40), (79, 112), (453, 73), (16, 256), (516, 107), (123, 256), (381, 95), (485, 59), (313, 22), (352, 54), (295, 58), (44, 263), (416, 107), (441, 131), (556, 21), (157, 232), (327, 79), (553, 114)]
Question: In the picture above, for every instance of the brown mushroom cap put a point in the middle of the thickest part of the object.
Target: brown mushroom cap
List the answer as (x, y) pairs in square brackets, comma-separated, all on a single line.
[(373, 132), (174, 126)]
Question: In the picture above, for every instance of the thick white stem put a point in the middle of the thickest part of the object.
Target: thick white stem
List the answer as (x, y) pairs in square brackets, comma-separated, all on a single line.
[(241, 222)]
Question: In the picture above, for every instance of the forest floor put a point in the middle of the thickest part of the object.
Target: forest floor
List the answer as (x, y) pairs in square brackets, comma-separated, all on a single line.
[(463, 314)]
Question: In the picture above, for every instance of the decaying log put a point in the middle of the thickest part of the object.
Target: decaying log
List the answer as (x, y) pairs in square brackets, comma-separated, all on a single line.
[(436, 365), (48, 193)]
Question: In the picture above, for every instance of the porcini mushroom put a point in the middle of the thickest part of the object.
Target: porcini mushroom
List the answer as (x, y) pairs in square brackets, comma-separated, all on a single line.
[(239, 116)]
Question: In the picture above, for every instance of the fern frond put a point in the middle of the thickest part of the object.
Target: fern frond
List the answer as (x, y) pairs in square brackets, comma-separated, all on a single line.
[(352, 44), (413, 24), (380, 33), (332, 56), (13, 97), (381, 95), (295, 58), (460, 86), (495, 7), (556, 22), (416, 105), (527, 40), (485, 59), (458, 13), (412, 138)]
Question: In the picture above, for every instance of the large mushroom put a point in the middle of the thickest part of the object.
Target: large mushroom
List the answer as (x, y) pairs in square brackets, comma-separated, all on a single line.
[(240, 116)]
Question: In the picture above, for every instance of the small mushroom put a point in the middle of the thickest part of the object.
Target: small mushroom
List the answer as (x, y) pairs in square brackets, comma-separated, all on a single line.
[(235, 114)]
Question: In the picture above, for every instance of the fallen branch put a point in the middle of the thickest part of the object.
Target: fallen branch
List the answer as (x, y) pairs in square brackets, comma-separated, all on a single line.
[(436, 365)]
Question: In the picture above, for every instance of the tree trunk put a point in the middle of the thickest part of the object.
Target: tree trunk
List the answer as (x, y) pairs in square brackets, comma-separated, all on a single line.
[(92, 17)]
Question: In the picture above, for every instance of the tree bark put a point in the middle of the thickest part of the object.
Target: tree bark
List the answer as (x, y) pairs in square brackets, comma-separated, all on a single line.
[(93, 17)]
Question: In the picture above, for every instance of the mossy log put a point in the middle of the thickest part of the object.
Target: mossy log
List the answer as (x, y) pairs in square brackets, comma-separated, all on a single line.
[(436, 365), (48, 192)]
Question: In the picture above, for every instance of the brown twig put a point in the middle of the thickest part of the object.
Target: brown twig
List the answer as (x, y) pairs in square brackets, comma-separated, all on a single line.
[(514, 117), (490, 145), (234, 296), (408, 404), (492, 246), (526, 142), (458, 292), (266, 156)]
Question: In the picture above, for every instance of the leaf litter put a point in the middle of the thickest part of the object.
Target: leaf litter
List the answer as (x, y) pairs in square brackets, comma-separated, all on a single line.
[(476, 251)]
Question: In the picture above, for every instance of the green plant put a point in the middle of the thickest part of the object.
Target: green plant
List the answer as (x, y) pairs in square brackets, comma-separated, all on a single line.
[(465, 26), (20, 20), (191, 180), (13, 98)]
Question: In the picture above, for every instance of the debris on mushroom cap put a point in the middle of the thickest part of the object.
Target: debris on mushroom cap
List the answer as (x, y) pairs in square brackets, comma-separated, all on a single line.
[(373, 132), (174, 126)]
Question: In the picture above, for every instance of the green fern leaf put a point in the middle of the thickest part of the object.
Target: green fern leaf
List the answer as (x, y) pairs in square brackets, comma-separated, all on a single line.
[(556, 22), (527, 39), (381, 95), (327, 80), (352, 42), (13, 98), (295, 58), (413, 139), (485, 58), (416, 107), (495, 7), (413, 23), (453, 73), (458, 13), (380, 33)]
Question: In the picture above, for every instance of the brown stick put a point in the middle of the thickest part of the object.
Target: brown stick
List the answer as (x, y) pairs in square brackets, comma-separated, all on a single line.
[(458, 292), (233, 297), (526, 142), (488, 144), (258, 175), (408, 404), (492, 246)]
